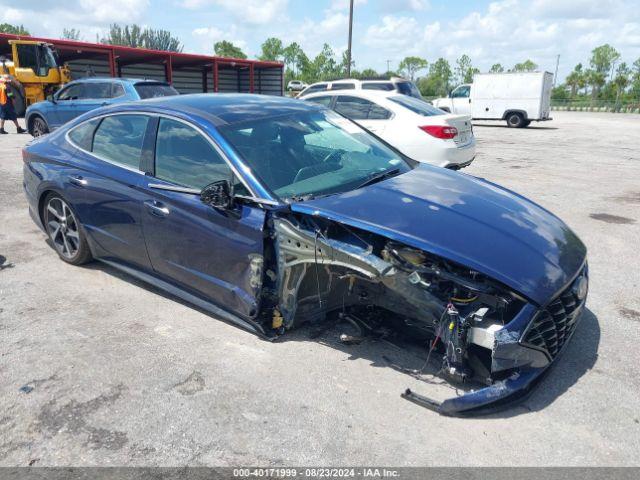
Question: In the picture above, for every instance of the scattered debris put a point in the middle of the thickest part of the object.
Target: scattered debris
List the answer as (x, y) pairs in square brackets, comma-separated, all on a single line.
[(26, 388)]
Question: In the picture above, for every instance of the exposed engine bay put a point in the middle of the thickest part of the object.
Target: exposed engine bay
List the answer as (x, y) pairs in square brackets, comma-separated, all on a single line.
[(315, 267)]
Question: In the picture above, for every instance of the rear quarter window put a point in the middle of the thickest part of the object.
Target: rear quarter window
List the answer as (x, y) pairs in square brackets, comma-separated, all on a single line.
[(416, 106), (119, 139), (154, 90), (82, 135)]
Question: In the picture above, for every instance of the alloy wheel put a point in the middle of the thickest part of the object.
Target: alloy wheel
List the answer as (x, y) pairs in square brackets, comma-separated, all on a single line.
[(63, 228), (39, 127)]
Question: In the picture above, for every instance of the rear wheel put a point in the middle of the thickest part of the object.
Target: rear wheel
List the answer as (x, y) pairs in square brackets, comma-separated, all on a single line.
[(64, 231), (38, 127), (515, 120)]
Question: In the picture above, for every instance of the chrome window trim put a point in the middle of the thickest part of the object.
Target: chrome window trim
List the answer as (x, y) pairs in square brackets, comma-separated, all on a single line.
[(170, 117)]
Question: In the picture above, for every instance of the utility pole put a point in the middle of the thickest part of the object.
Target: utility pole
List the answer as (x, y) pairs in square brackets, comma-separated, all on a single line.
[(555, 75), (388, 65), (350, 35)]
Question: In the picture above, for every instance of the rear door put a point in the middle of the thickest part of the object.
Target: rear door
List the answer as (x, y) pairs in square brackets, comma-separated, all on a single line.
[(365, 112), (108, 190), (217, 254)]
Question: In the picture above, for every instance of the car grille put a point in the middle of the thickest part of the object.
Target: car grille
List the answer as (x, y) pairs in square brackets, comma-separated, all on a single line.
[(553, 326)]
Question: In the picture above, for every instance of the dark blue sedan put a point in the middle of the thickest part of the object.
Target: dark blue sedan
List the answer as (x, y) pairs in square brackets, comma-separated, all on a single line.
[(81, 96), (271, 212)]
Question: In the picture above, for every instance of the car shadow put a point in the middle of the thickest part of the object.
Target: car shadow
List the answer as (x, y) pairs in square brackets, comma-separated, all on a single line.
[(409, 358), (499, 125)]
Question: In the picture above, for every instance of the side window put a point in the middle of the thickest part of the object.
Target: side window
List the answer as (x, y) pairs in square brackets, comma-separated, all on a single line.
[(461, 92), (185, 157), (385, 86), (117, 90), (353, 107), (316, 88), (119, 139), (343, 86), (96, 91), (72, 92), (326, 101), (28, 57), (82, 135), (360, 109)]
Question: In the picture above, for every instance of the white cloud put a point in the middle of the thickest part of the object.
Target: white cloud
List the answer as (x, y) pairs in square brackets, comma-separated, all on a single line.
[(207, 36), (510, 31), (255, 12)]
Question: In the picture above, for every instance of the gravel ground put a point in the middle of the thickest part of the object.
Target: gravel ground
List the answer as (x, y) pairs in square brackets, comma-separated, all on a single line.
[(99, 369)]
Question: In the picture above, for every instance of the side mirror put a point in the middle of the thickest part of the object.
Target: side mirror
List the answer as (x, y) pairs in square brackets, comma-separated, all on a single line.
[(218, 195), (51, 98)]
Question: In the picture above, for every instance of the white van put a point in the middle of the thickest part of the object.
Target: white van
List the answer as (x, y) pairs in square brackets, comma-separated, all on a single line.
[(519, 98)]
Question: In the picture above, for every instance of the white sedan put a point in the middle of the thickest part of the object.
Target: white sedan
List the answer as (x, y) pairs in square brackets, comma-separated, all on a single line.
[(416, 128)]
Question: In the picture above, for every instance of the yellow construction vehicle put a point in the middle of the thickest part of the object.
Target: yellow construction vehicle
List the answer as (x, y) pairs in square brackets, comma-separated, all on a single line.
[(36, 67)]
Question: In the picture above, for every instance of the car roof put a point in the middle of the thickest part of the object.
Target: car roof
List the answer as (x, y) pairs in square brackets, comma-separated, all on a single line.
[(368, 94), (221, 108), (116, 79)]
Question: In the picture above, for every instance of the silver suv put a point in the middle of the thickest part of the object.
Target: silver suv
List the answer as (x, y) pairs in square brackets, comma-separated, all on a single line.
[(400, 85)]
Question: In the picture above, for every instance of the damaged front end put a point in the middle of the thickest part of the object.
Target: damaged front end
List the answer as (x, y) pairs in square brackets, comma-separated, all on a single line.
[(481, 330)]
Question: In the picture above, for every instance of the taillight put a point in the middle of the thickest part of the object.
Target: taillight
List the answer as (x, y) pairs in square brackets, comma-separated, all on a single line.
[(440, 131)]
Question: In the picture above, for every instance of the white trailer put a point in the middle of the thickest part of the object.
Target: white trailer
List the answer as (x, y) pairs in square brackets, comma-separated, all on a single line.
[(518, 98)]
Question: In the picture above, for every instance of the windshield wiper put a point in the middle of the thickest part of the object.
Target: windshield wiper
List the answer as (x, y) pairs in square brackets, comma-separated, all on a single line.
[(378, 177)]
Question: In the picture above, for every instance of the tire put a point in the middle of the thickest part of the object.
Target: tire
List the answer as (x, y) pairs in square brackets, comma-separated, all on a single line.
[(19, 104), (515, 120), (38, 126), (65, 231)]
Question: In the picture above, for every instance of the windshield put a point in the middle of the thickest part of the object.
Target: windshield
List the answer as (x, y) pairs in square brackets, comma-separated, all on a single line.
[(408, 88), (153, 90), (311, 153), (417, 106)]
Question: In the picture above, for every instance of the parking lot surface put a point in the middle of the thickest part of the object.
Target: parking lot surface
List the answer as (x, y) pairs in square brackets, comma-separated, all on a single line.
[(97, 368)]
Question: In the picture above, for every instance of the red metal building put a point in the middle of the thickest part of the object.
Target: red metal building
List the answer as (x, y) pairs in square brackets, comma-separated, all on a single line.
[(188, 73)]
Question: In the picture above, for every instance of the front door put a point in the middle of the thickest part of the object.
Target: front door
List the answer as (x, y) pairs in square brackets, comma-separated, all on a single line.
[(65, 107), (461, 100), (215, 253)]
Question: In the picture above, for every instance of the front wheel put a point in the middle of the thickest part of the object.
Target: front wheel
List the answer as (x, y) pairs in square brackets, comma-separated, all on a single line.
[(515, 120), (64, 231), (39, 127)]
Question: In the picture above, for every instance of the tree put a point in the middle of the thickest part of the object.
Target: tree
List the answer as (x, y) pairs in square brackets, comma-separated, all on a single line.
[(621, 80), (576, 80), (161, 40), (291, 55), (71, 34), (272, 50), (411, 65), (463, 69), (635, 78), (14, 29), (224, 48), (369, 73), (496, 68), (603, 58), (595, 80), (438, 80), (526, 66), (134, 36)]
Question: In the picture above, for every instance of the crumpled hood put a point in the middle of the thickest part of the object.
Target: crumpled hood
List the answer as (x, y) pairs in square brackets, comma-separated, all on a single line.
[(467, 220)]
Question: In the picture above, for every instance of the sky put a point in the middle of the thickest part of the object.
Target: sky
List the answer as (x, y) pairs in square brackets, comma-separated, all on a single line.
[(503, 31)]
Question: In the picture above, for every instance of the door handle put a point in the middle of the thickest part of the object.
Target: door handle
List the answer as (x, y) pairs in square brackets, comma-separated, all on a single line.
[(156, 208), (77, 180)]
